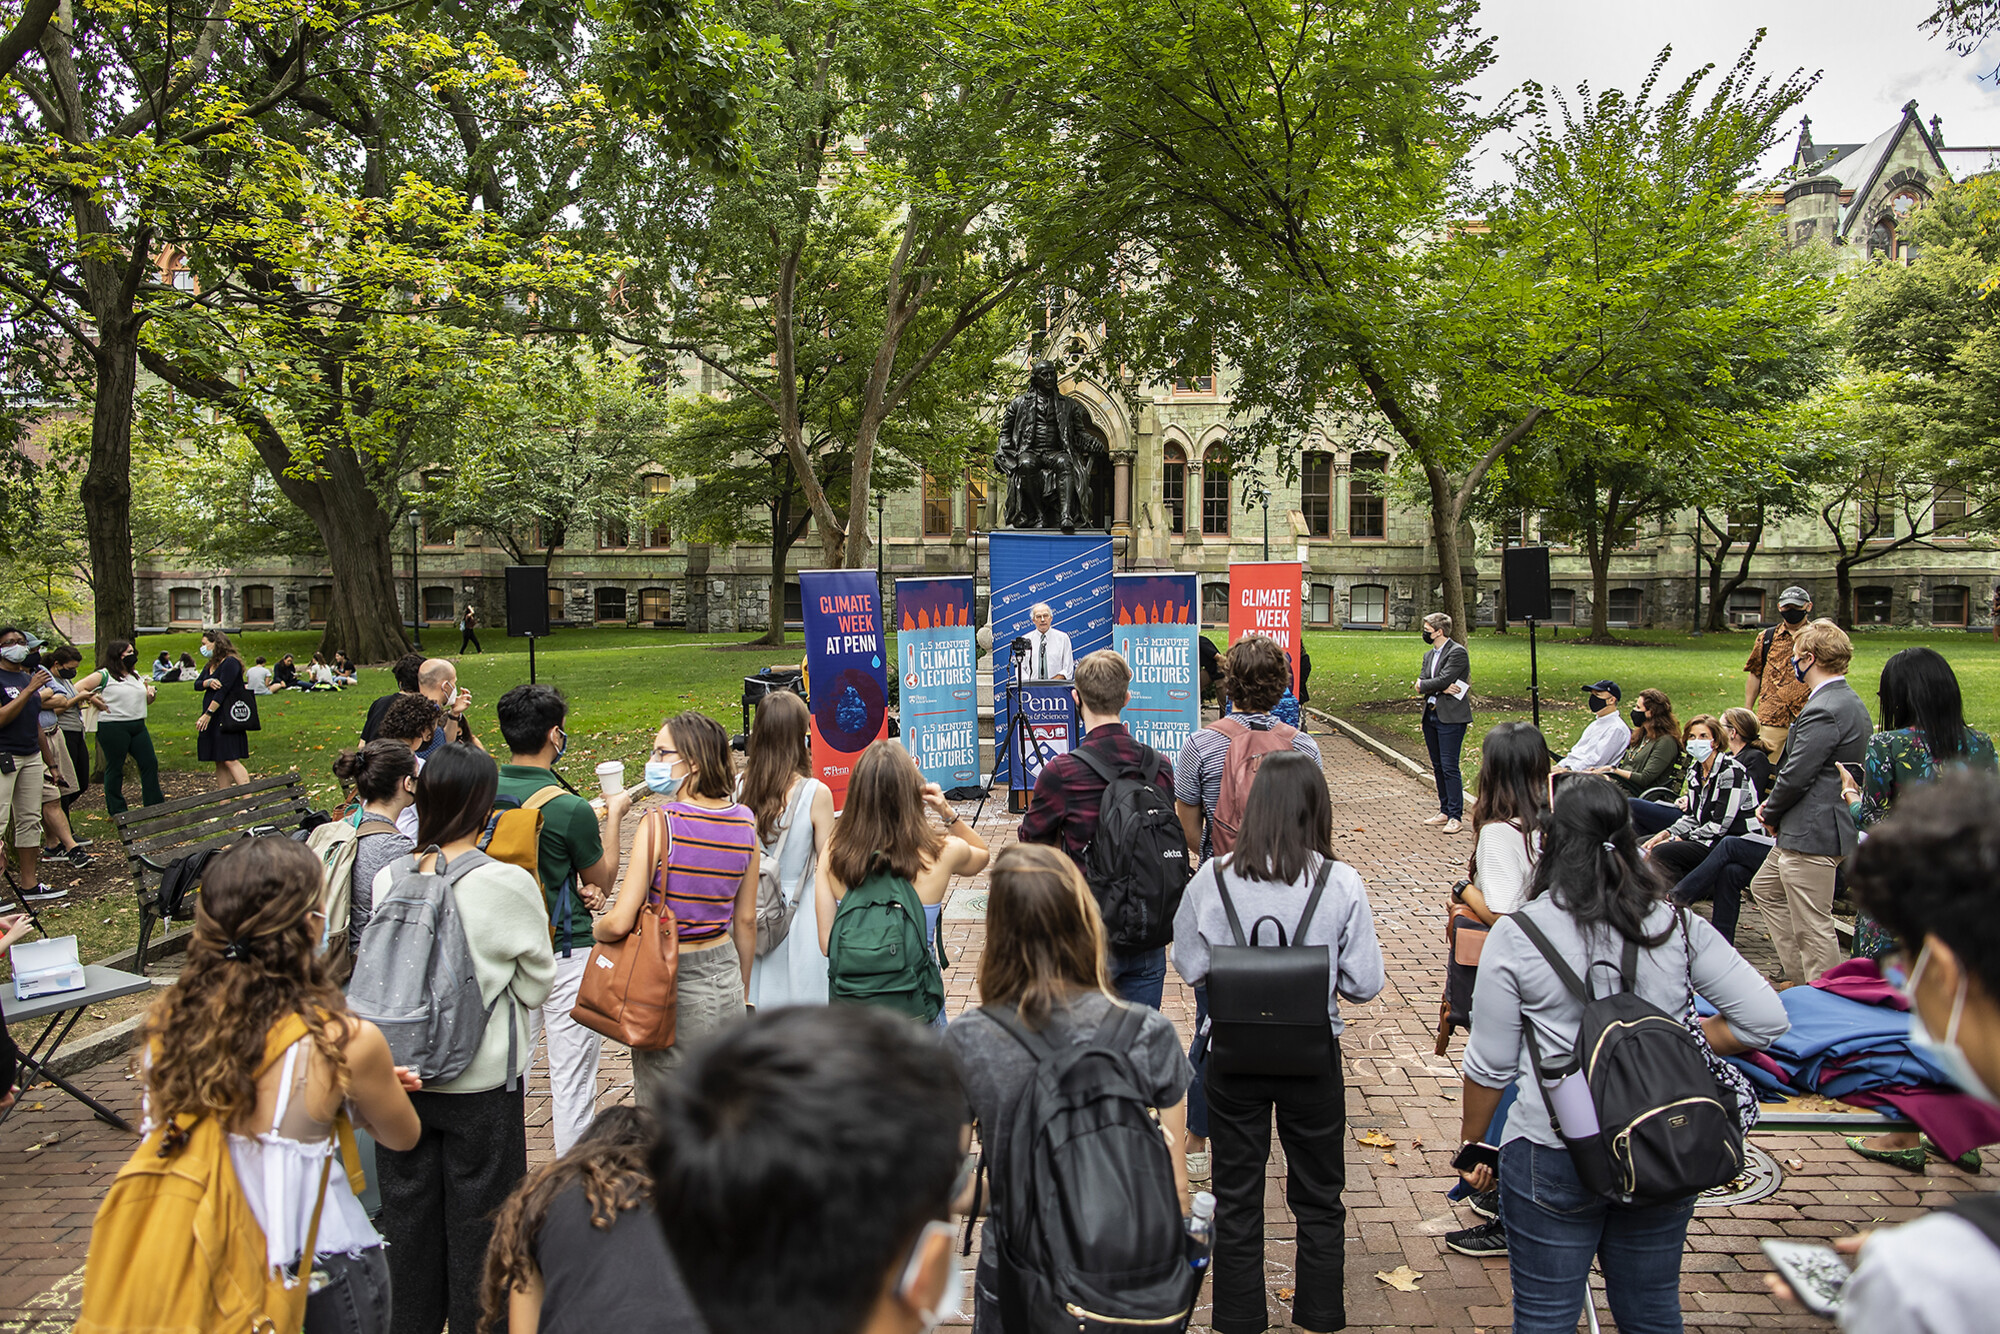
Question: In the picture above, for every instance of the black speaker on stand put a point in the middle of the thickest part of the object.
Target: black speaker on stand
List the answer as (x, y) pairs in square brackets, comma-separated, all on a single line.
[(1525, 573), (528, 607)]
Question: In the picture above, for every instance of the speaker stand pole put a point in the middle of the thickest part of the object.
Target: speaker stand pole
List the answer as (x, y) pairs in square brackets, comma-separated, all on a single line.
[(531, 660), (1534, 675)]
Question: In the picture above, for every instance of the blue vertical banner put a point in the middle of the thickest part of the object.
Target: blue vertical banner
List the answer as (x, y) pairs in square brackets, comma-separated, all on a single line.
[(845, 672), (937, 661), (1157, 626), (1070, 572)]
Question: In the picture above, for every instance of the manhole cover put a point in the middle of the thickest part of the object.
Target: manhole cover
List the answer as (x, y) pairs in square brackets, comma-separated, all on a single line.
[(1761, 1176)]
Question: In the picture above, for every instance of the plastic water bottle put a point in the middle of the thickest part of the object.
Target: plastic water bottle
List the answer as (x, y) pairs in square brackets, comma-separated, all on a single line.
[(1201, 1231)]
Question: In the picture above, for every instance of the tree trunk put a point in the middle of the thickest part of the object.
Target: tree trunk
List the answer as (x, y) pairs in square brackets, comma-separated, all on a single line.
[(1843, 591), (107, 483), (782, 537), (1444, 535), (1598, 548), (364, 619)]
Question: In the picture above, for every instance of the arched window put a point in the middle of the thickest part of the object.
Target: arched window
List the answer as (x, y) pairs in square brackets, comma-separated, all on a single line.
[(1320, 605), (557, 613), (1316, 493), (260, 605), (1627, 606), (1215, 493), (1173, 489), (611, 604), (1367, 514), (184, 605), (1368, 604), (1873, 606)]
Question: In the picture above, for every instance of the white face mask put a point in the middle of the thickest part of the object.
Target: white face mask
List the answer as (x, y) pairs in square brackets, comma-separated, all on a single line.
[(1945, 1053), (1700, 749), (951, 1301)]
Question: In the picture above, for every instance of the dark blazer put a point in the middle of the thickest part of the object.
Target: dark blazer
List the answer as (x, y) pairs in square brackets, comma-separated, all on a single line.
[(1804, 801), (1452, 663)]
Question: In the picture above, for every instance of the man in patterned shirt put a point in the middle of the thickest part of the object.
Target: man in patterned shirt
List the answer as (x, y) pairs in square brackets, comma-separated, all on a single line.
[(1769, 686)]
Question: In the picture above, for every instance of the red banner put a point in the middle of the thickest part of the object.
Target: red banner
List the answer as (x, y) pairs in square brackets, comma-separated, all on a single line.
[(1264, 599)]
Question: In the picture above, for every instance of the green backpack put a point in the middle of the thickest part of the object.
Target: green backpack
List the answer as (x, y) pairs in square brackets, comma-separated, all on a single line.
[(878, 952)]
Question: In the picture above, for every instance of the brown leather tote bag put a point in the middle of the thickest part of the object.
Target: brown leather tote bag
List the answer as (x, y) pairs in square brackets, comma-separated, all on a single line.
[(630, 987)]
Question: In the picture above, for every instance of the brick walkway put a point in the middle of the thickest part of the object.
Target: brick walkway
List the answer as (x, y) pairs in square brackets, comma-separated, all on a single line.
[(56, 1162)]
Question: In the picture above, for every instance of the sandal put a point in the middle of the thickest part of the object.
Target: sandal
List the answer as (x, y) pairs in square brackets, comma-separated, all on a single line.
[(1910, 1160), (1969, 1161)]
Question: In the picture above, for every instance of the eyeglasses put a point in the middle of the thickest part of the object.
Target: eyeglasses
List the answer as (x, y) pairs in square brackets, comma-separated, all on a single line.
[(663, 753)]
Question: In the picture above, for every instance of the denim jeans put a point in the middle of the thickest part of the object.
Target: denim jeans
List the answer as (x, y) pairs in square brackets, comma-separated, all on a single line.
[(1555, 1228), (1138, 976), (1446, 740), (1650, 817), (1723, 876), (355, 1296)]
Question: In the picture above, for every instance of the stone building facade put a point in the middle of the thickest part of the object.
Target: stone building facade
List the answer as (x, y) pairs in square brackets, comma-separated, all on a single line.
[(1171, 499)]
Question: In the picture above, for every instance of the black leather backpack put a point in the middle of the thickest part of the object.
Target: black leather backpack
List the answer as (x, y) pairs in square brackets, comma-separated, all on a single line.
[(1267, 1003)]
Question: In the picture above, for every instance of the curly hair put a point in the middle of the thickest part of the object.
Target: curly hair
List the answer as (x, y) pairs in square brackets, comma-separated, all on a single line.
[(1256, 674), (610, 1161), (253, 959), (1660, 721)]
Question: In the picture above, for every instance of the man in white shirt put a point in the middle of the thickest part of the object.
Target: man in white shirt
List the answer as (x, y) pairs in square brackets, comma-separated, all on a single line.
[(1603, 742), (1048, 648)]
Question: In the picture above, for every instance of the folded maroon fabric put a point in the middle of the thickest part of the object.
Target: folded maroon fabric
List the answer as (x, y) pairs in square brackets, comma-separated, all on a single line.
[(1861, 980), (1956, 1122)]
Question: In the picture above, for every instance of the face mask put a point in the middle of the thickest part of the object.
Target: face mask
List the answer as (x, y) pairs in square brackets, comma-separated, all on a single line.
[(1799, 670), (1792, 615), (131, 659), (1699, 750), (67, 673), (15, 653), (1638, 717), (1597, 703), (206, 650), (951, 1301), (563, 744), (1946, 1054), (661, 778), (1427, 638)]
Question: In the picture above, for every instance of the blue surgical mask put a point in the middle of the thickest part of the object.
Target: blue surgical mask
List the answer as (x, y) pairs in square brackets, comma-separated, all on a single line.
[(563, 744), (1945, 1053), (1699, 750), (661, 778), (1799, 670), (206, 650)]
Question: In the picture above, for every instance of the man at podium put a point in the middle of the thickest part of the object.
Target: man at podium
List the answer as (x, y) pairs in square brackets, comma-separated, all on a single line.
[(1048, 648)]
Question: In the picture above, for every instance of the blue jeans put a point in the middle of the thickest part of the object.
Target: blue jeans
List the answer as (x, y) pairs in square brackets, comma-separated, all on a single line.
[(1723, 876), (1650, 817), (1139, 976), (1555, 1228), (1446, 740)]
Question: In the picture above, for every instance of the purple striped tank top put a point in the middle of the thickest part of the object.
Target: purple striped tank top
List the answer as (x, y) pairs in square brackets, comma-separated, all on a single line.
[(704, 866)]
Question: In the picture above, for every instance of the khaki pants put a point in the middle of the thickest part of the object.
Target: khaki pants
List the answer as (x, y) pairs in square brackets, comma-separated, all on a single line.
[(1773, 738), (1794, 892), (21, 799)]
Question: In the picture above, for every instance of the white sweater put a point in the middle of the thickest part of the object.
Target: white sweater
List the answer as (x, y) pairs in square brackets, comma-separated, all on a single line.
[(1505, 865), (507, 927)]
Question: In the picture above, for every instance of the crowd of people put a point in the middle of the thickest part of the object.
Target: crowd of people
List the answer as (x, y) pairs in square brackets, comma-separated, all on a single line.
[(813, 1123)]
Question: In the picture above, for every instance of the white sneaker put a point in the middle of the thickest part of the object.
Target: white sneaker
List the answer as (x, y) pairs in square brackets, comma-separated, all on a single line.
[(1451, 827), (1437, 819)]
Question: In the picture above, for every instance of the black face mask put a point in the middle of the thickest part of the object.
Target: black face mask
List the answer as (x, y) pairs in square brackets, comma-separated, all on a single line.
[(1638, 717), (1792, 615), (67, 673)]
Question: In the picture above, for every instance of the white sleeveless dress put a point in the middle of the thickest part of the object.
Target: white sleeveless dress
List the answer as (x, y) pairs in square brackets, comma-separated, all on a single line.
[(795, 972)]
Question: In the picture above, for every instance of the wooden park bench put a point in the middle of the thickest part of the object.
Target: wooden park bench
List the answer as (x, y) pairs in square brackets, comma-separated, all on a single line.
[(155, 837)]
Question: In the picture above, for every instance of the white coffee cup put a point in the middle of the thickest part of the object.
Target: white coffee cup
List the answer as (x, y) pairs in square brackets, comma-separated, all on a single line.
[(611, 777)]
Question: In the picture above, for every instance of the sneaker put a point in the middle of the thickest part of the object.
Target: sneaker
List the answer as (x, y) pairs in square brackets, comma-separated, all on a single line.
[(1488, 1239), (1485, 1203), (43, 893), (1451, 827), (86, 843), (1437, 819), (77, 857)]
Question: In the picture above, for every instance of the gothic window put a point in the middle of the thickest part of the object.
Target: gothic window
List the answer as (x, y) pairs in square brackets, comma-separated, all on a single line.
[(659, 533), (937, 507), (1215, 493), (1316, 494), (1367, 516), (1173, 489)]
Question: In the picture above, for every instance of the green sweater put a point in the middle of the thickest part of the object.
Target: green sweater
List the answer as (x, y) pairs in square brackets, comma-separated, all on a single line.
[(1651, 763)]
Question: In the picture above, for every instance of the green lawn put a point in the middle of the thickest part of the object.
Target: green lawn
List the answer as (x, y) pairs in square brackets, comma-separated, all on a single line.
[(1366, 677)]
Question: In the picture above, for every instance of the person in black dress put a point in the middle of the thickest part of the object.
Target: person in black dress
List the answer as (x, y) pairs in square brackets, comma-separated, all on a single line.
[(221, 685)]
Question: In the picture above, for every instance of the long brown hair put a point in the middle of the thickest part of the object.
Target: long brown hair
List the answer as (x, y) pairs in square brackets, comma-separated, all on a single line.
[(1659, 716), (885, 815), (252, 959), (224, 647), (1044, 937), (777, 753), (610, 1161), (704, 748), (1747, 727)]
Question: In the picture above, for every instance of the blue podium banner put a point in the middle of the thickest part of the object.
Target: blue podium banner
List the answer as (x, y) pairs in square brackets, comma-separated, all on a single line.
[(1050, 710), (937, 659), (845, 672), (1070, 572), (1157, 626)]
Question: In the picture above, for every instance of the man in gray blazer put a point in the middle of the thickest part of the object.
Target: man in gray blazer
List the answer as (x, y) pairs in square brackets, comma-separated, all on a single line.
[(1794, 887), (1444, 685)]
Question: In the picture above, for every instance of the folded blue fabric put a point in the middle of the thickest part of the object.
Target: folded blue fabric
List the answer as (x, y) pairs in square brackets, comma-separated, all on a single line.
[(1838, 1046)]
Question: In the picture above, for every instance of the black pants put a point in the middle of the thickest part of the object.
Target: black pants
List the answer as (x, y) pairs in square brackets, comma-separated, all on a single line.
[(1723, 875), (78, 746), (468, 636), (438, 1201), (1312, 1125)]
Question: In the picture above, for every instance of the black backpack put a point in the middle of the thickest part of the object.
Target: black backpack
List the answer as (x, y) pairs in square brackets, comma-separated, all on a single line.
[(1086, 1221), (1665, 1130), (1267, 1004), (1137, 864)]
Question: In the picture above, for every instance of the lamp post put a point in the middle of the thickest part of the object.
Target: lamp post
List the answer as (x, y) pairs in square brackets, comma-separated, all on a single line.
[(879, 586), (1258, 492), (416, 593)]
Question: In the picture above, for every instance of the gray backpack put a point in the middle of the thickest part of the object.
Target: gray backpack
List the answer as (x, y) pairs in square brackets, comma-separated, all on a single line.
[(415, 980)]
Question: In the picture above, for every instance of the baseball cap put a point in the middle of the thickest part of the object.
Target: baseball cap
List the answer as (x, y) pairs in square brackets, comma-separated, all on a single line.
[(1794, 597), (1606, 687)]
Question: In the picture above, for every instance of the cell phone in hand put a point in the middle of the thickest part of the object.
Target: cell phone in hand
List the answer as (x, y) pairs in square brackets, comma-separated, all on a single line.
[(1816, 1272), (1472, 1155)]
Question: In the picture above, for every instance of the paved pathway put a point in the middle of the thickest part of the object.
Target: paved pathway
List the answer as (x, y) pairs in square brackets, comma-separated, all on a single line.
[(55, 1161)]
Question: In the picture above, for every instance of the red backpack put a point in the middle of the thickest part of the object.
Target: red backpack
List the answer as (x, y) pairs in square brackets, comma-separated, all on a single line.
[(1248, 748)]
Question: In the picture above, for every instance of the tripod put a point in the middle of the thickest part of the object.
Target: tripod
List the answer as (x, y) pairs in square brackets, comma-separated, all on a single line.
[(1019, 742)]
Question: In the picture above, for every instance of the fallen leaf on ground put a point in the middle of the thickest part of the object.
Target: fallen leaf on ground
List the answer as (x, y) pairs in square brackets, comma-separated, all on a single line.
[(1402, 1278), (1285, 1294), (1416, 1144), (1376, 1139), (37, 1107), (1795, 1164), (1389, 1160)]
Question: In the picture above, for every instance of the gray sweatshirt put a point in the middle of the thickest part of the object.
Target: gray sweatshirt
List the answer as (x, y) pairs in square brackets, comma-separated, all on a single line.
[(1515, 981), (1343, 923)]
